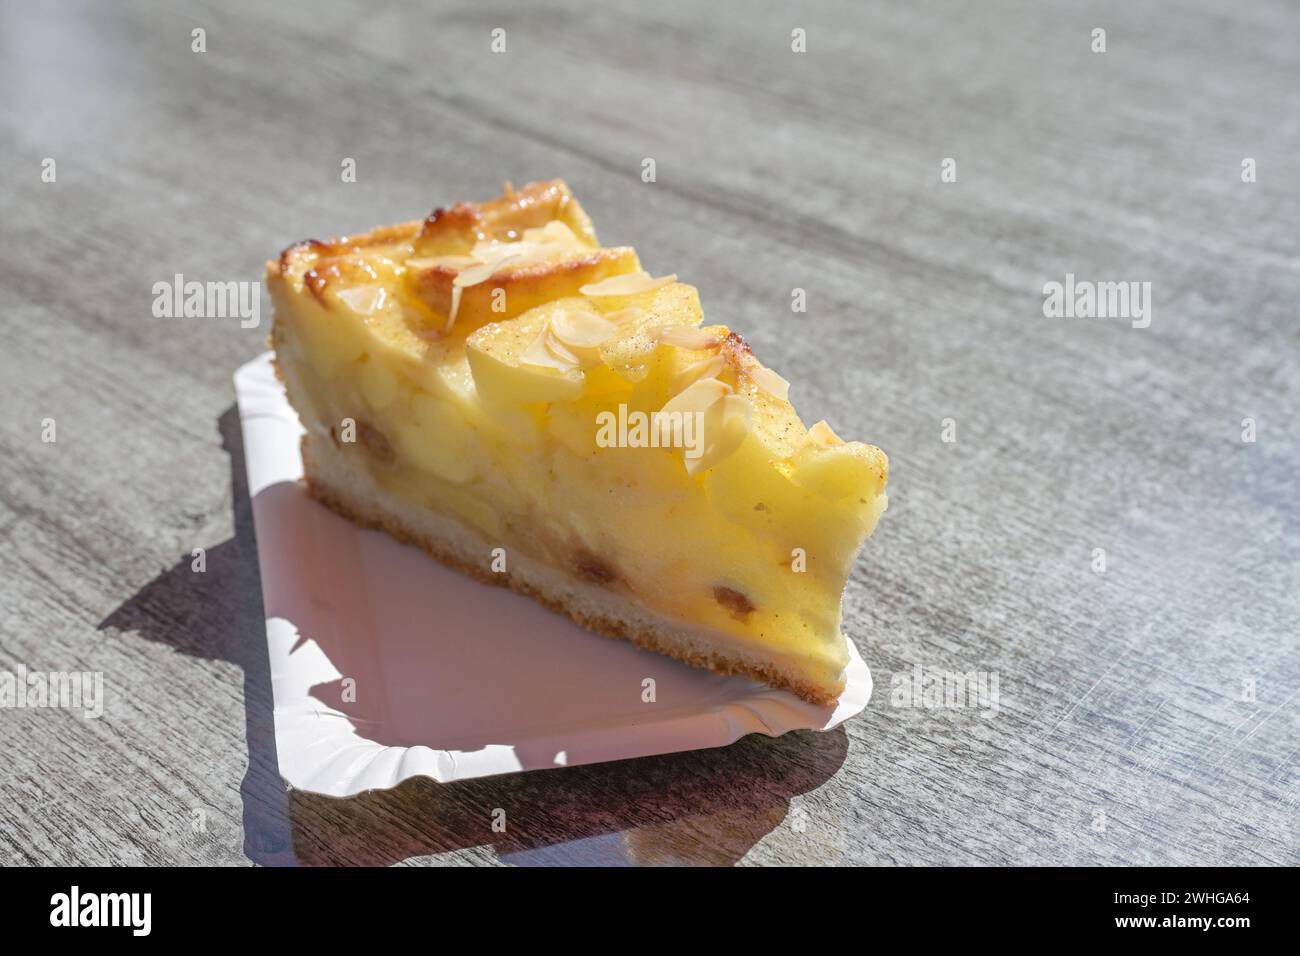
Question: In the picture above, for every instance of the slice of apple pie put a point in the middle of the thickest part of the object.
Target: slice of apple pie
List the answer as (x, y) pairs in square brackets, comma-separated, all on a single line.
[(534, 409)]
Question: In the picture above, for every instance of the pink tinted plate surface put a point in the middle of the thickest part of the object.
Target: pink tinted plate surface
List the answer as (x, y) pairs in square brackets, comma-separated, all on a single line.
[(386, 665)]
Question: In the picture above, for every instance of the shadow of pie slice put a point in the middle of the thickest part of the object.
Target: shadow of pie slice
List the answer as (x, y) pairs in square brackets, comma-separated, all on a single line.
[(534, 409)]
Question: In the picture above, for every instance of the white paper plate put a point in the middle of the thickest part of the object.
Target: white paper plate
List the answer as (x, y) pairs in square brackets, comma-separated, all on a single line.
[(386, 665)]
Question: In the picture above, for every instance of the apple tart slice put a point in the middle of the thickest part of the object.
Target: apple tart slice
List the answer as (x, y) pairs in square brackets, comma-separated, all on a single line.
[(490, 383)]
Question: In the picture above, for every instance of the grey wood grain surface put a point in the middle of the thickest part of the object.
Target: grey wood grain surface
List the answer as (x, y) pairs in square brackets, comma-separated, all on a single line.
[(1146, 714)]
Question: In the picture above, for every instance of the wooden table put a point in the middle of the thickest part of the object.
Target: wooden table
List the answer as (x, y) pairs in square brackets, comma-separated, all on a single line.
[(1146, 714)]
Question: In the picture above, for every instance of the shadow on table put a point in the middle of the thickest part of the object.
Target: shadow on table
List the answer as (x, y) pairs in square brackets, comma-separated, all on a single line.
[(706, 807)]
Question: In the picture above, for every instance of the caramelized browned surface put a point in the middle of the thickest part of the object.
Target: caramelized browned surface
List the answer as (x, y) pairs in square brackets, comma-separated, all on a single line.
[(455, 229)]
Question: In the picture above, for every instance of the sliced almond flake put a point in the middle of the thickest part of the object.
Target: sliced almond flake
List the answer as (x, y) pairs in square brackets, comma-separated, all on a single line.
[(686, 337), (509, 189), (769, 381), (822, 434), (559, 349), (365, 299), (698, 396), (540, 353), (738, 409), (452, 262), (455, 307), (704, 368), (492, 250), (581, 330), (726, 424), (633, 283), (554, 233), (474, 275), (539, 244), (480, 273)]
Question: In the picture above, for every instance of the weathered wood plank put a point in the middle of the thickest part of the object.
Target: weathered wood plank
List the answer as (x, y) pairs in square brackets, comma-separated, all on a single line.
[(1126, 730)]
